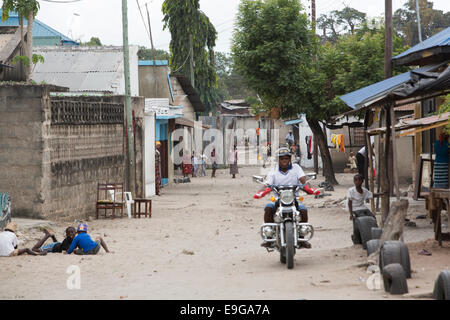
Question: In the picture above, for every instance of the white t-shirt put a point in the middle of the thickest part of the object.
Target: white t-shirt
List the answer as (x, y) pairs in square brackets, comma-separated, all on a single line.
[(358, 198), (8, 241), (362, 151), (288, 178)]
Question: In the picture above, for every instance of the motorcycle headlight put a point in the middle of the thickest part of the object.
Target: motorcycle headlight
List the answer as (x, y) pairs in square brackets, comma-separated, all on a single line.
[(287, 196), (268, 232)]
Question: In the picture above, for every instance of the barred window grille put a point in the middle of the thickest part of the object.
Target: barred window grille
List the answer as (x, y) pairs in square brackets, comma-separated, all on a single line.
[(85, 112), (357, 136)]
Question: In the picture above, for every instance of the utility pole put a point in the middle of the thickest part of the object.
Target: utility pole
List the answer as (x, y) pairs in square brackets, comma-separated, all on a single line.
[(129, 120), (316, 147), (153, 52), (418, 20), (191, 57), (388, 40)]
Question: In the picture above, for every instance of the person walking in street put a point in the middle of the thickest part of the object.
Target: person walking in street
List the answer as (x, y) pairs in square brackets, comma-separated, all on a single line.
[(158, 168), (440, 171), (233, 162), (290, 138), (213, 163), (186, 164), (204, 158)]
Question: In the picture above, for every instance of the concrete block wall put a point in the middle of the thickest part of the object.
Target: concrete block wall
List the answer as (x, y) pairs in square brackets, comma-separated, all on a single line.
[(22, 121), (52, 171)]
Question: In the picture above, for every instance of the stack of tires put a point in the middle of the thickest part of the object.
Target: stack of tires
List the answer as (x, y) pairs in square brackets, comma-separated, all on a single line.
[(362, 231), (5, 209), (394, 259), (395, 266)]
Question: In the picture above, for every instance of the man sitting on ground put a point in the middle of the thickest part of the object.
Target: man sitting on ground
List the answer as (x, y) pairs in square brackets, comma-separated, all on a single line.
[(55, 246), (84, 242), (9, 243)]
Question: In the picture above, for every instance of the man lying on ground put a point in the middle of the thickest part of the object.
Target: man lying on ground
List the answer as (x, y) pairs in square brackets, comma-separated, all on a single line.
[(9, 243), (55, 246), (84, 242)]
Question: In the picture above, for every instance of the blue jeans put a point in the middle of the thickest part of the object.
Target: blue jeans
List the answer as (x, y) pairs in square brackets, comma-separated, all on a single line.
[(300, 206)]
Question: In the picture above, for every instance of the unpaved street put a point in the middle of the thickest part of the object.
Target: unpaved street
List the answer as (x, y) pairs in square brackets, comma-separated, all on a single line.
[(203, 242)]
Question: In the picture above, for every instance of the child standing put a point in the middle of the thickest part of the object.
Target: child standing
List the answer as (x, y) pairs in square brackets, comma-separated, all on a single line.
[(84, 242)]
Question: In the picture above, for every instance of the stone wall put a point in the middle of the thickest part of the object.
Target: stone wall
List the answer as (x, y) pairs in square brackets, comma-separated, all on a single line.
[(56, 149)]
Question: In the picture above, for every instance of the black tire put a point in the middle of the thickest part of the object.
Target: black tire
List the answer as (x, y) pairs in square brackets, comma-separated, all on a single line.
[(372, 246), (289, 227), (394, 279), (364, 225), (356, 237), (405, 260), (395, 252), (376, 233), (283, 255), (442, 286)]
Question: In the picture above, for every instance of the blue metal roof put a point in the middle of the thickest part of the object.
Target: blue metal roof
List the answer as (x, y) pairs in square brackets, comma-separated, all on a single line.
[(356, 99), (295, 121), (440, 39), (40, 29), (150, 62)]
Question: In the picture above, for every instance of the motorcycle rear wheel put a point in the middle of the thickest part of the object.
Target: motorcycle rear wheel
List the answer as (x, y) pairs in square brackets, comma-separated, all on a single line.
[(290, 250)]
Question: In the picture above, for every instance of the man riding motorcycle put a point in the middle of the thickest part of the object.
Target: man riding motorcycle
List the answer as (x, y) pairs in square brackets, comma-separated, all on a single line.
[(285, 174)]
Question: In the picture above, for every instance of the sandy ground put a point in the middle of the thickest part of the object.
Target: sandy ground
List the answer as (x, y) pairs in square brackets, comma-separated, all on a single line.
[(203, 242)]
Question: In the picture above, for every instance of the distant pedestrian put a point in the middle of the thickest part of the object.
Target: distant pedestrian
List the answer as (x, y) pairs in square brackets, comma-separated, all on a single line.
[(186, 164), (203, 158), (233, 162), (213, 163), (158, 183)]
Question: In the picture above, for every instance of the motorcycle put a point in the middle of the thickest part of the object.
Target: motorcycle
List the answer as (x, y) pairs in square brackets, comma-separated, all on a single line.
[(287, 233)]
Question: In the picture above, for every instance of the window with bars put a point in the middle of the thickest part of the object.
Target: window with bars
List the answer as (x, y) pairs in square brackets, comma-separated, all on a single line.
[(357, 135)]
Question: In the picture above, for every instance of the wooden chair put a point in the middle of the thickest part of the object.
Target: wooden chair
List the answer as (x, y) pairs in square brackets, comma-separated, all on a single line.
[(110, 196)]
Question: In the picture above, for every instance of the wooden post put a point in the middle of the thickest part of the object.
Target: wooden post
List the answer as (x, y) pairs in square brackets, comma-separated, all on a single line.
[(385, 180), (370, 153), (394, 153)]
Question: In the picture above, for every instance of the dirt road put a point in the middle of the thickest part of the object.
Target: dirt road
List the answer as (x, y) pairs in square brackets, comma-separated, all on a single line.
[(203, 242)]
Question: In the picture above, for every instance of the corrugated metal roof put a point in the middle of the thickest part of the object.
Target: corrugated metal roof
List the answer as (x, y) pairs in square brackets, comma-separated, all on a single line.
[(356, 99), (81, 68), (40, 29), (440, 39), (150, 62)]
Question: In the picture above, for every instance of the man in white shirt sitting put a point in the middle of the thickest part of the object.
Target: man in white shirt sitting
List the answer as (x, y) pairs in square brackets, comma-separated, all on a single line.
[(9, 242)]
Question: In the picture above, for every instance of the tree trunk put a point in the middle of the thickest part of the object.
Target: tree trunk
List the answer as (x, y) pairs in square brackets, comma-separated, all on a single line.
[(23, 50), (327, 164), (29, 45)]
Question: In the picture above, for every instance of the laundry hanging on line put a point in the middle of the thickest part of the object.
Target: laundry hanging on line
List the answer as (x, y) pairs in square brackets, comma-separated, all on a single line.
[(339, 141)]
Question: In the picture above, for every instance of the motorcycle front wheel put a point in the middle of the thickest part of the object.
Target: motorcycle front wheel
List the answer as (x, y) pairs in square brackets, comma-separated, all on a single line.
[(290, 250)]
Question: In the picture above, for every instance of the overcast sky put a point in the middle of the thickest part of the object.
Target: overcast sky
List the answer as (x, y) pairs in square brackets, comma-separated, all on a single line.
[(103, 18)]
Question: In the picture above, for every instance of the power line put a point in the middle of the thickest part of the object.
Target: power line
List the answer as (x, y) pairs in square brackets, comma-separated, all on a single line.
[(143, 21), (183, 62)]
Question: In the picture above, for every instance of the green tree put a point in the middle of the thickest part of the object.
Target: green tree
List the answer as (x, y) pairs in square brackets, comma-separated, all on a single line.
[(231, 85), (94, 42), (26, 9), (147, 54), (432, 21), (333, 23), (274, 49), (184, 18)]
